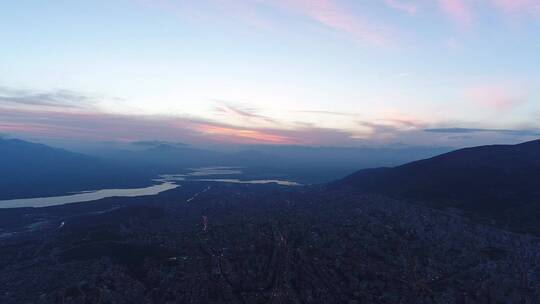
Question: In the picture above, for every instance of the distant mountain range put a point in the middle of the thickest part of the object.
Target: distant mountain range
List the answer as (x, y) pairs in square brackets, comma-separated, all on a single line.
[(30, 169), (499, 183), (305, 164)]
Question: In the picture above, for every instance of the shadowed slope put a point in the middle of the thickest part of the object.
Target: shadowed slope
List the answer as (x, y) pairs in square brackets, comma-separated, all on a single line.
[(500, 182), (29, 169)]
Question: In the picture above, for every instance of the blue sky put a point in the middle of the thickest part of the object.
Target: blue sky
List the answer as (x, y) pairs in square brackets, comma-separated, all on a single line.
[(310, 72)]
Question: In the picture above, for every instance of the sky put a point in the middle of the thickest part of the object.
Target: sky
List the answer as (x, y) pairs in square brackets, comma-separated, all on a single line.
[(294, 72)]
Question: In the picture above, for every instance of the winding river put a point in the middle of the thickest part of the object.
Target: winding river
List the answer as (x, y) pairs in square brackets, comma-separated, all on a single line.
[(86, 196), (165, 182)]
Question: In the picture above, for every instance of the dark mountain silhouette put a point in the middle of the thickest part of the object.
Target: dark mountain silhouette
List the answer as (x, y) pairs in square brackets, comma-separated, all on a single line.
[(154, 143), (499, 183), (30, 169)]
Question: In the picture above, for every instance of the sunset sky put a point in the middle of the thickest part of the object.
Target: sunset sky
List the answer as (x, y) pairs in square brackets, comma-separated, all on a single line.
[(308, 72)]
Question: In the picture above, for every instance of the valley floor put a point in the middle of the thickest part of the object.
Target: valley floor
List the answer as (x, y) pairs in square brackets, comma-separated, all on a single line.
[(235, 243)]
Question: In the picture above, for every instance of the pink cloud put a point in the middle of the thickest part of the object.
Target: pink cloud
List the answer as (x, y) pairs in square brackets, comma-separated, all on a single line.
[(332, 15), (400, 5), (328, 13), (457, 10), (500, 97), (242, 135), (96, 126)]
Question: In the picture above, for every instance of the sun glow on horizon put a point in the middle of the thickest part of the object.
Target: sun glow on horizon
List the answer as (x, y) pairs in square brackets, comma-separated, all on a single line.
[(325, 72), (242, 135)]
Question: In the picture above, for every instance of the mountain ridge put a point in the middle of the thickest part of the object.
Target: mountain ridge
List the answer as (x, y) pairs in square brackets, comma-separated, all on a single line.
[(498, 183), (33, 169)]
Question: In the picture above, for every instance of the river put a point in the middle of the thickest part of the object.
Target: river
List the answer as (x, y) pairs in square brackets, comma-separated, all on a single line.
[(165, 182)]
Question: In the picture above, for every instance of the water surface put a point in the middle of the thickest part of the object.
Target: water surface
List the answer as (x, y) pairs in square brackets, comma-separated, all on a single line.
[(86, 196), (258, 181), (166, 182)]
